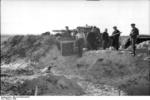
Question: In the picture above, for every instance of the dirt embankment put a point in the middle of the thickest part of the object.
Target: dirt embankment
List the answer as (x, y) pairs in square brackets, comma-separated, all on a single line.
[(29, 47), (96, 73), (113, 68), (33, 79), (24, 58), (46, 84), (118, 69)]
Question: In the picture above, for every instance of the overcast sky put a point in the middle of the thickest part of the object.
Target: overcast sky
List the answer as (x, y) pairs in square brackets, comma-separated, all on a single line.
[(38, 16)]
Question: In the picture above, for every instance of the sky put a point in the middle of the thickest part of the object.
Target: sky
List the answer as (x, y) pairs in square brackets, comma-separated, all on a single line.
[(38, 16)]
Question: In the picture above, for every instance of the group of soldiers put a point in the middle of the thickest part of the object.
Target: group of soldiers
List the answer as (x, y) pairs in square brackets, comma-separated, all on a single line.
[(114, 38), (95, 38)]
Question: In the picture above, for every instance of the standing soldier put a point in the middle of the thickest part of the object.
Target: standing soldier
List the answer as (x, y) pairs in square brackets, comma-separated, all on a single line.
[(68, 32), (92, 39), (133, 36), (98, 37), (115, 38), (105, 39), (80, 36)]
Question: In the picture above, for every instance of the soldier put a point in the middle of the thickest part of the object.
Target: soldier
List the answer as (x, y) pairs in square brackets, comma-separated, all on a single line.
[(68, 32), (133, 36), (105, 39), (92, 39), (115, 38), (80, 36), (98, 37)]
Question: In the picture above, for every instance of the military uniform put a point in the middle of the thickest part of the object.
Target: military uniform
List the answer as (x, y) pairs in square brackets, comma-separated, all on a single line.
[(115, 39), (91, 39), (105, 39), (133, 36), (80, 43)]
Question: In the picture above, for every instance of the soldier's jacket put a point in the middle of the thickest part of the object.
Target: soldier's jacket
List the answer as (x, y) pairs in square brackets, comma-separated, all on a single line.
[(105, 36), (91, 37), (134, 33), (116, 34)]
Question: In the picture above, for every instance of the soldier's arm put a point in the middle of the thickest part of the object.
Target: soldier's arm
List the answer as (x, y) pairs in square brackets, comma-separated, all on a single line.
[(131, 33)]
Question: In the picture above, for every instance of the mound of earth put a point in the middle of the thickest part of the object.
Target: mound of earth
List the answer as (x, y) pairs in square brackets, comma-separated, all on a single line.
[(30, 47), (118, 69), (47, 84), (96, 73), (105, 67)]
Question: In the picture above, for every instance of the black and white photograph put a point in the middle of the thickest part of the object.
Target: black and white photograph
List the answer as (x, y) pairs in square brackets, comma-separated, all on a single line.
[(75, 48)]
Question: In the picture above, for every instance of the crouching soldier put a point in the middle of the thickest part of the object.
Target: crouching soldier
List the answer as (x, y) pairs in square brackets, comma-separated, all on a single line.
[(133, 36), (80, 36)]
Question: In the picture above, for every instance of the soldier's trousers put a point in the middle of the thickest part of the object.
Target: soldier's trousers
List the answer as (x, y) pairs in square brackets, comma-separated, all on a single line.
[(104, 44), (92, 45), (133, 42), (80, 43), (116, 44)]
